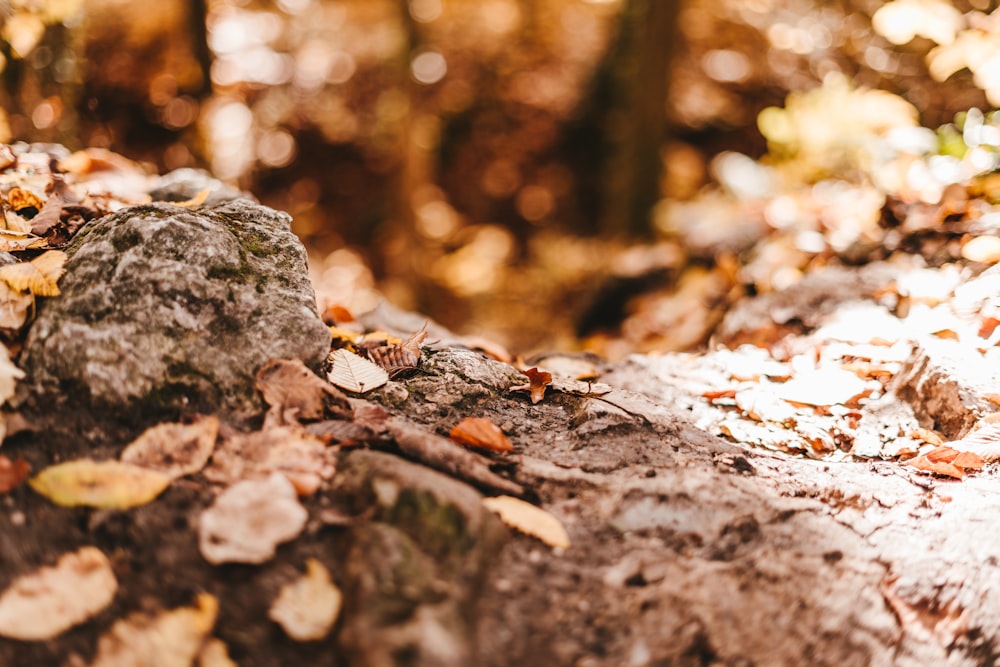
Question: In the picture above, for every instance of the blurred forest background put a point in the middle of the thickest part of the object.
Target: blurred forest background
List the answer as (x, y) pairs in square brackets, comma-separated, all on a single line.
[(540, 172)]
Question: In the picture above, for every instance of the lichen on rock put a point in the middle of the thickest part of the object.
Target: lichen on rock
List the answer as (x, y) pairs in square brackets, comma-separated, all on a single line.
[(167, 310)]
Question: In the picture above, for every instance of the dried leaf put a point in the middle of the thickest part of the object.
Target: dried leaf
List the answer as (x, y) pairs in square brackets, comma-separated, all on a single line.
[(39, 276), (170, 638), (49, 601), (355, 373), (48, 216), (197, 200), (537, 381), (290, 450), (14, 307), (11, 241), (400, 357), (107, 484), (294, 392), (249, 520), (984, 441), (480, 432), (824, 387), (307, 608), (9, 375), (215, 654), (20, 199), (174, 449), (12, 472), (926, 619), (947, 461), (982, 249), (529, 519)]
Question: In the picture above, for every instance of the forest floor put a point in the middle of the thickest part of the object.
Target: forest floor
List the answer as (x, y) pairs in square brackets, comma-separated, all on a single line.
[(817, 486)]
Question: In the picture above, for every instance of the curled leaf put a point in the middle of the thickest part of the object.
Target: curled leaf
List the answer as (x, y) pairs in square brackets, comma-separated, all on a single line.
[(107, 484), (295, 392), (480, 432), (529, 519), (537, 381), (49, 601)]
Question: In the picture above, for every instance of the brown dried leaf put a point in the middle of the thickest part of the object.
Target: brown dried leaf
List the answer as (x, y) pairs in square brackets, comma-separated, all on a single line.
[(48, 216), (174, 449), (174, 637), (480, 432), (529, 519), (107, 484), (248, 521), (289, 450), (12, 472), (39, 276), (307, 608), (401, 357), (49, 601), (294, 392), (537, 381)]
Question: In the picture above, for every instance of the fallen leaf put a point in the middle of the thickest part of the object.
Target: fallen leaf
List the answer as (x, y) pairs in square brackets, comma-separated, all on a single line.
[(401, 357), (307, 608), (529, 519), (14, 307), (947, 461), (215, 654), (294, 392), (12, 472), (50, 600), (39, 276), (107, 484), (174, 449), (290, 450), (824, 387), (9, 375), (197, 200), (480, 432), (11, 241), (167, 639), (48, 216), (249, 520), (984, 249), (537, 381), (20, 199), (984, 440), (355, 373)]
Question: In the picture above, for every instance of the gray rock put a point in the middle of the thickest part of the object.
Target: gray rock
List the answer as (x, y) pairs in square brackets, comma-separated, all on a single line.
[(166, 310)]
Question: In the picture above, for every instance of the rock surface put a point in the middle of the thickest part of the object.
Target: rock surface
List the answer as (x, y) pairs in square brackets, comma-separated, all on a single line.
[(166, 310)]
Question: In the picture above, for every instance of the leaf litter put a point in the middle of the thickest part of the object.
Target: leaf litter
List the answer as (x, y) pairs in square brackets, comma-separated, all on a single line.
[(43, 604), (307, 607)]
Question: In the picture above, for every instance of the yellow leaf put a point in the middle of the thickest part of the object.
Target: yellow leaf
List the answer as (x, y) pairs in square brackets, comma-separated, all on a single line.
[(174, 637), (984, 249), (45, 603), (39, 276), (107, 484), (529, 519), (355, 373), (197, 200), (308, 607)]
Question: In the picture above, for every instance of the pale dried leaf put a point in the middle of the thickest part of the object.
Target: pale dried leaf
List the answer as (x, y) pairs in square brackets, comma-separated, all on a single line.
[(14, 307), (355, 373), (824, 387), (168, 639), (13, 241), (529, 519), (174, 449), (984, 441), (49, 601), (249, 520), (307, 608), (106, 484), (9, 375), (215, 653)]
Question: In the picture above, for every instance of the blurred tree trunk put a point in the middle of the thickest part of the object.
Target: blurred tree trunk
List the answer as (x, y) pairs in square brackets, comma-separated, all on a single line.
[(617, 140)]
